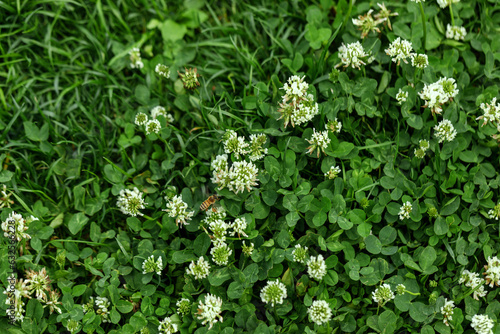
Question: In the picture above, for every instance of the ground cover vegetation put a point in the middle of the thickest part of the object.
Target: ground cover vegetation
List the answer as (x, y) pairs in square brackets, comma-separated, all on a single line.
[(264, 167)]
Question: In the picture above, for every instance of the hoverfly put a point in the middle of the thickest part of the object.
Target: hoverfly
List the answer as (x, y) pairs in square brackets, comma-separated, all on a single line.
[(208, 202)]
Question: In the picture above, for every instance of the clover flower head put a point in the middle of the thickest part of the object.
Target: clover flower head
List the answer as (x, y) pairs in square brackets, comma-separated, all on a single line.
[(135, 58), (234, 143), (209, 311), (495, 212), (177, 209), (200, 269), (141, 118), (472, 280), (352, 55), (334, 126), (130, 202), (320, 312), (367, 23), (482, 324), (445, 131), (492, 273), (53, 301), (239, 225), (103, 305), (385, 14), (299, 253), (167, 326), (382, 294), (319, 140), (247, 250), (73, 326), (455, 32), (38, 282), (5, 200), (316, 267), (214, 215), (447, 311), (88, 307), (449, 87), (221, 253), (159, 110), (434, 96), (304, 111), (295, 88), (150, 265), (183, 306), (243, 175), (424, 146), (491, 112), (273, 293), (190, 78), (446, 3), (153, 126), (333, 172), (401, 96), (15, 222), (400, 49), (419, 60), (405, 210), (419, 153), (17, 312), (220, 174), (219, 230), (400, 289), (297, 106), (163, 70), (257, 151)]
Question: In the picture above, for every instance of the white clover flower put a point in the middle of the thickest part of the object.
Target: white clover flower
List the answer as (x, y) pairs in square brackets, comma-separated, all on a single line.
[(53, 302), (234, 144), (200, 270), (220, 174), (482, 324), (445, 131), (135, 58), (445, 3), (214, 215), (299, 253), (14, 299), (352, 55), (273, 293), (257, 151), (17, 224), (73, 326), (130, 202), (495, 212), (491, 112), (419, 60), (333, 172), (88, 307), (220, 162), (366, 23), (447, 311), (434, 96), (38, 282), (239, 225), (472, 280), (163, 70), (297, 106), (419, 153), (401, 96), (319, 140), (243, 175), (221, 253), (219, 229), (492, 273), (334, 126), (405, 210), (159, 110), (153, 126), (382, 294), (320, 312), (385, 15), (247, 250), (400, 49), (5, 200), (424, 144), (167, 326), (455, 32), (210, 310), (304, 111), (177, 209), (103, 308), (316, 267), (449, 87), (141, 118), (150, 265), (400, 289), (295, 89), (183, 306)]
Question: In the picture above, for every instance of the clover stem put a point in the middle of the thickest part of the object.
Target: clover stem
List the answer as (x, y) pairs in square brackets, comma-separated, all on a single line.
[(422, 13), (451, 14)]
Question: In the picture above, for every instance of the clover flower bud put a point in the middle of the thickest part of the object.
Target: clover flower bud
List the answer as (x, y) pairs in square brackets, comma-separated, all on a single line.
[(400, 289), (150, 265), (455, 32), (273, 293), (352, 55), (405, 210), (130, 202), (135, 58), (447, 311), (177, 209), (482, 324), (433, 283), (209, 311), (316, 267), (445, 131), (183, 306), (167, 326), (159, 110), (420, 60), (190, 78), (163, 70), (141, 118), (319, 141), (334, 126), (247, 250), (221, 253), (200, 270), (495, 212), (73, 326), (433, 212), (234, 144), (153, 126), (401, 96), (400, 49), (257, 151), (320, 312), (5, 200), (88, 307), (382, 294), (333, 172), (299, 253)]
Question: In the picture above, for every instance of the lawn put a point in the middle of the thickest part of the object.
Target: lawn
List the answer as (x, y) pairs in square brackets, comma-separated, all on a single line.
[(250, 167)]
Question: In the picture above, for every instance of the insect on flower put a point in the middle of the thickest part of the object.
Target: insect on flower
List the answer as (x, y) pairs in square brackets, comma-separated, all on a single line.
[(208, 202)]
